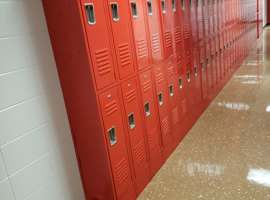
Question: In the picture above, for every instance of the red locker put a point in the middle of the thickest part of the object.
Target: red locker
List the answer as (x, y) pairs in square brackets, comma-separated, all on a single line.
[(139, 32), (211, 17), (166, 9), (218, 60), (193, 21), (203, 69), (200, 20), (173, 93), (214, 62), (119, 15), (154, 27), (215, 14), (206, 18), (209, 67), (150, 114), (116, 141), (177, 26), (182, 85), (186, 23), (100, 47), (197, 75), (163, 103), (135, 130)]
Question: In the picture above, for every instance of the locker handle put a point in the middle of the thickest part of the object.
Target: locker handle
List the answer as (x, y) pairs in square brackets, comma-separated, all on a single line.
[(212, 57), (163, 6), (115, 13), (188, 76), (149, 6), (90, 13), (171, 90), (112, 135), (183, 4), (202, 66), (207, 61), (134, 9), (198, 3), (173, 5), (216, 54), (180, 83), (160, 100), (190, 3), (196, 72), (131, 121), (147, 109)]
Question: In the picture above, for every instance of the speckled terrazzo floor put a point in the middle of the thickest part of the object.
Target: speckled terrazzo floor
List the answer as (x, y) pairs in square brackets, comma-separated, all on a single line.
[(226, 155)]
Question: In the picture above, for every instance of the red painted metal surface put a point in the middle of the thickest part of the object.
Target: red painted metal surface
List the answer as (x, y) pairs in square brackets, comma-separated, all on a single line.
[(136, 75)]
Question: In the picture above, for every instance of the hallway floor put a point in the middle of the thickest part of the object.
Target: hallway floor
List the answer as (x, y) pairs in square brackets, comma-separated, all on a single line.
[(226, 155)]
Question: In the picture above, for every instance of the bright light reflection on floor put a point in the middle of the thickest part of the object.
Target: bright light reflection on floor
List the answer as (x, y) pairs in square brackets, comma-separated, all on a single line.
[(259, 176), (268, 109), (234, 106)]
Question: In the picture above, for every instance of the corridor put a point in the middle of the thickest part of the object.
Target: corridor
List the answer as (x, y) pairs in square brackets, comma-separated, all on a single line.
[(226, 155)]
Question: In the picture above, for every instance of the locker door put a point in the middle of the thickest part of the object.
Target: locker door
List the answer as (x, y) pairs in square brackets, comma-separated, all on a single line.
[(189, 77), (118, 15), (197, 74), (193, 20), (211, 17), (163, 105), (150, 114), (213, 61), (203, 69), (186, 23), (200, 21), (217, 55), (221, 53), (99, 46), (166, 10), (115, 138), (209, 66), (170, 67), (154, 27), (177, 26), (182, 85), (206, 18), (135, 130), (215, 10), (139, 31)]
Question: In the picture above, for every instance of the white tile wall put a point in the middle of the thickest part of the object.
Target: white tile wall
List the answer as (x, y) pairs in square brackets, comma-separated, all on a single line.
[(37, 157)]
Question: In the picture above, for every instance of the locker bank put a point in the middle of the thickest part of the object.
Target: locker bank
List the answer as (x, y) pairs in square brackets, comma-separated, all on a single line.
[(134, 99), (136, 75)]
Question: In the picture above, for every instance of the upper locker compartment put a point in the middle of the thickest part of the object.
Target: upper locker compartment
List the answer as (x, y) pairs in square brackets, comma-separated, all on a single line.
[(99, 42), (177, 26), (154, 29), (116, 140), (139, 31), (122, 37), (166, 9)]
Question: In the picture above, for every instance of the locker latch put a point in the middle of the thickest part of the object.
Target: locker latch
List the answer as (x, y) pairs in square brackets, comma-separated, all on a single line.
[(114, 9), (112, 135), (147, 109), (171, 90), (180, 83), (183, 4), (134, 9), (202, 66), (195, 69), (149, 6), (90, 13), (163, 6), (173, 5), (160, 101), (131, 121), (188, 76)]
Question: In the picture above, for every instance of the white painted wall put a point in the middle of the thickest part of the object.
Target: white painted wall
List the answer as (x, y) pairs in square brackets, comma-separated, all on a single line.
[(264, 12), (37, 158)]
